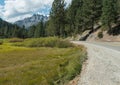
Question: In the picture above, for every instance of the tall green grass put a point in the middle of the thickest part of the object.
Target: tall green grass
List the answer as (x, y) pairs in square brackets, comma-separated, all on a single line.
[(45, 42), (39, 66), (69, 69)]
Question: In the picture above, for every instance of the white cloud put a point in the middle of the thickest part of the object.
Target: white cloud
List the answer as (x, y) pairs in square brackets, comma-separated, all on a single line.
[(68, 1), (18, 9), (1, 10)]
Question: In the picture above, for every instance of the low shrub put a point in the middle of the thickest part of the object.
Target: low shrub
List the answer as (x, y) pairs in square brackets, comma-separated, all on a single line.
[(40, 42), (63, 44), (45, 42), (13, 40), (100, 34)]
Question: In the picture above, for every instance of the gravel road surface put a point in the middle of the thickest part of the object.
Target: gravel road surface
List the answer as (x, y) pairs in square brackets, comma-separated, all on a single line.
[(103, 64)]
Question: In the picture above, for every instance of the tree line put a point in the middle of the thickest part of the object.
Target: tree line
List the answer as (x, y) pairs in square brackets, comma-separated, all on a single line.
[(65, 21), (82, 15), (8, 30)]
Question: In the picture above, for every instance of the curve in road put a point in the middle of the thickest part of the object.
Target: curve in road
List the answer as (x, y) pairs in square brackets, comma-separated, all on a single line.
[(103, 65)]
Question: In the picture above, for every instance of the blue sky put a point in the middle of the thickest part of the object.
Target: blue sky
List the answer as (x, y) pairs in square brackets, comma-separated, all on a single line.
[(13, 10), (2, 2)]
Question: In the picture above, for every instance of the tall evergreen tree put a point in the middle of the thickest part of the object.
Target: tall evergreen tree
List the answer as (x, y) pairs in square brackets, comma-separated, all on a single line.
[(15, 31), (109, 13), (57, 16), (72, 12), (42, 30), (91, 12), (31, 31), (6, 31), (50, 29), (39, 30), (118, 6), (79, 18)]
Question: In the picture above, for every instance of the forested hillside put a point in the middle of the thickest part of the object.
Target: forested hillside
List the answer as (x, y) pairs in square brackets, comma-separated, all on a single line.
[(64, 21), (8, 30), (82, 15)]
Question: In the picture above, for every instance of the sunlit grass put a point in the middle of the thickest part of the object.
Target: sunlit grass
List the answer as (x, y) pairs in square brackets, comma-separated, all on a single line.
[(6, 47), (39, 66)]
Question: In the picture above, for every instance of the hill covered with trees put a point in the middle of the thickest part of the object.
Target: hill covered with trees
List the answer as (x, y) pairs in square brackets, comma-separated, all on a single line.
[(82, 15), (79, 16), (8, 30)]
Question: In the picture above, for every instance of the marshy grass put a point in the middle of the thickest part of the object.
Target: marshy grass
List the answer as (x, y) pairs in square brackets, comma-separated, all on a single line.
[(39, 66), (45, 42)]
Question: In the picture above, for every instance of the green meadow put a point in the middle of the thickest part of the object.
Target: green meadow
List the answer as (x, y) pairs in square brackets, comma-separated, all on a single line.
[(41, 61)]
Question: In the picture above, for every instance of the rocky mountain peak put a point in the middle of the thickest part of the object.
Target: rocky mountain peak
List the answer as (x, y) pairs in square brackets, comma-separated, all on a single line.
[(33, 20)]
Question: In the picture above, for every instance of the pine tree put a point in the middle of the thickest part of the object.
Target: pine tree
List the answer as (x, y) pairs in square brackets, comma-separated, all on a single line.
[(118, 7), (15, 31), (39, 31), (79, 18), (109, 13), (31, 31), (68, 26), (72, 12), (6, 31), (57, 16), (42, 30), (91, 12), (50, 29)]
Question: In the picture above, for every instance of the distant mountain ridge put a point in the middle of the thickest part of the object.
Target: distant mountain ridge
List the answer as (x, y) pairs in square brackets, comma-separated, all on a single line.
[(30, 21)]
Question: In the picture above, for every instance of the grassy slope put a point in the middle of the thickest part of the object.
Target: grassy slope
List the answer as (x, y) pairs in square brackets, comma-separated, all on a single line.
[(39, 66)]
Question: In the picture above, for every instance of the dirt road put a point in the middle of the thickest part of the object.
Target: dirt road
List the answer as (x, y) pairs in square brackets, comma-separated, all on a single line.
[(103, 64)]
